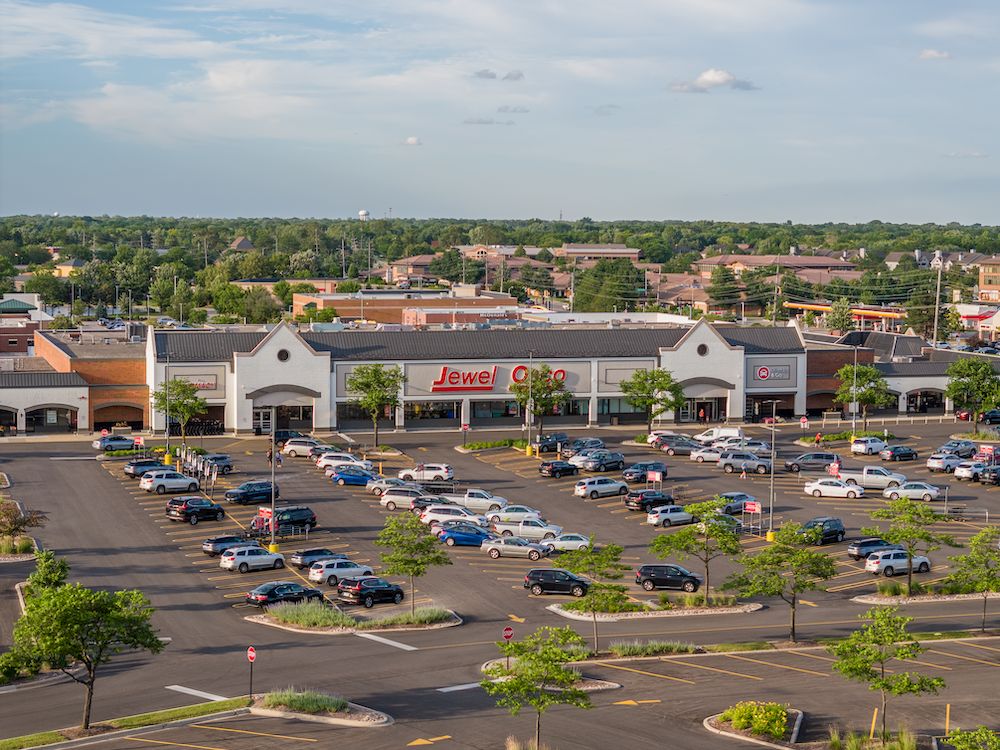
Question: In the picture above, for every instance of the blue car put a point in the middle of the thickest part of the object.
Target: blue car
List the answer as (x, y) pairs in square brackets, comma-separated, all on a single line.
[(353, 475), (465, 536)]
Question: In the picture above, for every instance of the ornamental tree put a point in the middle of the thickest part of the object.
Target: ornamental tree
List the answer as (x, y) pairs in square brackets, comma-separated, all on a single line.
[(544, 391), (789, 567), (865, 656), (539, 676), (14, 522), (866, 386), (840, 318), (980, 738), (50, 572), (911, 525), (179, 399), (979, 570), (654, 391), (973, 384), (376, 388), (598, 563), (413, 549), (70, 625)]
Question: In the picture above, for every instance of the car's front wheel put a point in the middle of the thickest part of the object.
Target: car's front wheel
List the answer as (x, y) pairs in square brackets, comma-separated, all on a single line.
[(450, 541), (762, 469), (894, 496), (923, 567), (494, 553), (397, 598), (926, 497), (407, 477), (840, 536), (506, 532), (279, 564), (795, 468), (341, 482), (219, 515), (192, 487), (577, 591), (622, 490), (851, 494)]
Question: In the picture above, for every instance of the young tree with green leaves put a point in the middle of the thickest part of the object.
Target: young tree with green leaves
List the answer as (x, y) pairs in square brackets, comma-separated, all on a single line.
[(50, 572), (973, 384), (911, 525), (865, 385), (376, 388), (654, 391), (539, 676), (413, 549), (979, 569), (599, 564), (980, 738), (791, 566), (840, 317), (543, 390), (71, 624), (710, 538), (179, 399), (14, 523), (865, 656)]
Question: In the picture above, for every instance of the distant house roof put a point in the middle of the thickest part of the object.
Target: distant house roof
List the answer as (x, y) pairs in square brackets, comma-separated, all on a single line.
[(241, 243), (16, 306), (414, 260), (41, 380), (886, 345), (72, 263)]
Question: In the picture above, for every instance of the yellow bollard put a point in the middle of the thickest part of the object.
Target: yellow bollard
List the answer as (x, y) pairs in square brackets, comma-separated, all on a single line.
[(871, 734), (947, 717), (527, 450), (379, 467), (769, 536), (274, 547)]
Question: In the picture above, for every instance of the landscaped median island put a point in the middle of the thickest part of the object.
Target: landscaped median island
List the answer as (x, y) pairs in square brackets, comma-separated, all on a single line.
[(772, 722), (667, 605), (843, 436), (312, 705), (485, 445), (318, 617)]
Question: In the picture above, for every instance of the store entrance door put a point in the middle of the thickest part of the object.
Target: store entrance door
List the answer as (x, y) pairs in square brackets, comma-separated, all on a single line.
[(704, 411)]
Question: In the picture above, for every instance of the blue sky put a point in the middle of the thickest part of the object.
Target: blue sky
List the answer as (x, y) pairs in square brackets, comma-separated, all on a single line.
[(662, 109)]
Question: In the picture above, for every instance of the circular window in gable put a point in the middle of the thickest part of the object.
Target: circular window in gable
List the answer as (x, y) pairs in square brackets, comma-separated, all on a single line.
[(283, 355), (702, 350)]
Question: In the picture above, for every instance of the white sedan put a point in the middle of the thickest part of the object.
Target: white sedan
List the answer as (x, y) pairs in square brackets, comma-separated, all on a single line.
[(970, 470), (513, 514), (710, 455), (336, 459), (566, 542), (833, 488), (913, 491)]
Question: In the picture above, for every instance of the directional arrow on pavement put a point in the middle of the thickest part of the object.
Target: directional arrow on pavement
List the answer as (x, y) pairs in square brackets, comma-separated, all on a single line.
[(515, 618), (807, 603), (634, 703), (431, 741)]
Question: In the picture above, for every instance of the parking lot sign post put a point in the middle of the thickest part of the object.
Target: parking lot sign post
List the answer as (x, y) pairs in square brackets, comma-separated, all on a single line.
[(251, 657), (508, 636), (465, 432)]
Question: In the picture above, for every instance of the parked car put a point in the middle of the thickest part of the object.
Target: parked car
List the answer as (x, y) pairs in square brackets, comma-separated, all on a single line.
[(318, 450), (223, 460), (601, 460), (534, 529), (428, 473), (828, 529), (114, 443), (737, 461), (653, 435), (368, 591), (661, 576), (252, 492), (898, 453), (890, 562), (735, 501), (465, 535), (167, 481), (550, 443), (970, 470), (394, 497), (378, 485), (247, 558), (434, 513), (913, 491), (557, 469), (338, 458), (639, 472), (581, 444), (567, 542), (706, 454), (283, 436), (332, 571), (298, 446), (742, 444), (351, 475), (867, 446), (555, 581), (646, 500), (712, 434), (279, 592), (859, 549), (193, 509), (668, 515), (477, 499), (814, 461), (991, 475), (417, 504), (512, 514), (288, 518), (719, 520), (871, 477), (946, 462), (306, 557), (963, 448), (514, 546), (830, 487), (595, 487), (992, 416), (216, 545), (676, 445), (140, 466)]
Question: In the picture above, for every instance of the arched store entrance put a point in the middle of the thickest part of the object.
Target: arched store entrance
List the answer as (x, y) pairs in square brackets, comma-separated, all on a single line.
[(118, 415), (51, 418)]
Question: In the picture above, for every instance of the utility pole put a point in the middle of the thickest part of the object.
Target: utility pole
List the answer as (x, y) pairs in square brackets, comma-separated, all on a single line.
[(343, 260), (937, 306), (854, 397), (774, 302)]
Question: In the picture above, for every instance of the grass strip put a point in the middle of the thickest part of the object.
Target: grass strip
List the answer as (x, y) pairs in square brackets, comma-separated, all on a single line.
[(723, 648), (319, 615), (31, 740), (305, 701)]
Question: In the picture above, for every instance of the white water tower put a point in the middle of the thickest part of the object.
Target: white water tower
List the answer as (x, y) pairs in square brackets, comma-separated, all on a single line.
[(363, 215)]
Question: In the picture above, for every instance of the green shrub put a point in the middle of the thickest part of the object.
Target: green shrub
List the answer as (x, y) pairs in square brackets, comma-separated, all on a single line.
[(953, 587), (764, 719), (846, 435), (835, 742), (305, 701), (20, 545), (854, 741), (173, 714), (610, 606), (664, 601), (698, 600), (890, 588), (722, 648), (650, 648), (506, 443), (319, 615), (642, 438)]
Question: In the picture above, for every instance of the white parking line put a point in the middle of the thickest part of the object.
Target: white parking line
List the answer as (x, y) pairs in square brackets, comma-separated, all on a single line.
[(386, 641), (456, 688), (196, 693)]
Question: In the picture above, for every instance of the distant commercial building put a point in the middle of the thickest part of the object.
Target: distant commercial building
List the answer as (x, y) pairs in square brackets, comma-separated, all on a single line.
[(387, 305), (740, 263), (581, 251), (989, 280), (459, 315)]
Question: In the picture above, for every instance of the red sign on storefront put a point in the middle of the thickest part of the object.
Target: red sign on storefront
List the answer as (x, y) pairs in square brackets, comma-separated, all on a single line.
[(451, 380)]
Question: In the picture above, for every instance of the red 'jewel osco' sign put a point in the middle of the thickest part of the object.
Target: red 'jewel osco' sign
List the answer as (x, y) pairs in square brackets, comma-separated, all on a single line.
[(452, 380)]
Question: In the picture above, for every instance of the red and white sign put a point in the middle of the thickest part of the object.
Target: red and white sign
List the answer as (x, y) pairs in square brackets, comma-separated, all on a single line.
[(654, 476), (751, 506), (763, 373), (263, 511), (251, 654), (833, 469), (104, 433), (139, 440), (520, 374), (804, 421), (508, 633), (465, 427), (451, 380)]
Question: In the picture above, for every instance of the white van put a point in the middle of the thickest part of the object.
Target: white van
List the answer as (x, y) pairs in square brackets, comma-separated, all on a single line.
[(713, 434)]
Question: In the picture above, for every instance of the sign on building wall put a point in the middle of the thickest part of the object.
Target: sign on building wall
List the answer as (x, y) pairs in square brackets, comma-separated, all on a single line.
[(210, 380), (771, 372), (478, 378)]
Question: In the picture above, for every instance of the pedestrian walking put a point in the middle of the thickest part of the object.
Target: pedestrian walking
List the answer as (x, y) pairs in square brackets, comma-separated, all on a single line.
[(270, 456), (743, 470), (701, 415), (819, 439), (279, 459)]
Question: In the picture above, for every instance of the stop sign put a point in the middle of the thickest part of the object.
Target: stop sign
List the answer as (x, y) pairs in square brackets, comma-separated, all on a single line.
[(508, 633), (251, 654), (104, 433)]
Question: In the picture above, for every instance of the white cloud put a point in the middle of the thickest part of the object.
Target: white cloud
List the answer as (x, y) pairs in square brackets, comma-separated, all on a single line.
[(934, 54), (485, 73), (486, 121), (967, 155), (514, 75), (412, 140), (713, 78), (512, 109)]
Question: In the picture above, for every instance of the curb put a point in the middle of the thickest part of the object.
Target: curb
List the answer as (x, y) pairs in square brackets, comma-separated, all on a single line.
[(763, 743), (4, 481), (261, 620), (605, 617), (920, 599), (384, 719)]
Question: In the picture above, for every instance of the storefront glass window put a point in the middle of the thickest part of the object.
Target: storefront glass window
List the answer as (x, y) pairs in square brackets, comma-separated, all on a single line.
[(494, 409), (432, 410)]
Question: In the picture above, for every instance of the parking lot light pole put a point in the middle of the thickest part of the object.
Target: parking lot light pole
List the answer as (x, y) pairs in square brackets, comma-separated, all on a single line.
[(529, 412), (770, 492), (854, 397), (273, 547)]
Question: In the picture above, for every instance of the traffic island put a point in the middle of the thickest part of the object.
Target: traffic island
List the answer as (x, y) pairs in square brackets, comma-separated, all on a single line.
[(586, 684), (322, 619), (652, 609), (322, 708), (759, 723)]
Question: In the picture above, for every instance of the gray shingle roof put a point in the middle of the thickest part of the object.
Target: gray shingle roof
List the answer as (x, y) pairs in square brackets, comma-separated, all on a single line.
[(40, 380), (205, 346), (761, 340), (912, 369)]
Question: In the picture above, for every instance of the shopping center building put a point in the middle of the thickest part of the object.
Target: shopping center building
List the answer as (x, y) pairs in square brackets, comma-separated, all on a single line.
[(464, 377)]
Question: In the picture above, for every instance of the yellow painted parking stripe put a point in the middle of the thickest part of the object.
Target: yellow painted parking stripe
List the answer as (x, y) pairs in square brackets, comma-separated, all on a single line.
[(977, 645), (963, 658), (777, 666), (691, 663), (648, 674), (172, 744)]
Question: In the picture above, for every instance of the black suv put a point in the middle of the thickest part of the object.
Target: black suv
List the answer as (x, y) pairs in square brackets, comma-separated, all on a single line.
[(830, 529), (252, 492), (555, 581), (637, 472), (140, 466), (557, 469), (218, 544), (306, 557), (551, 443), (990, 475), (368, 591), (282, 591), (645, 499), (193, 508), (667, 577), (292, 517), (282, 436), (859, 549), (992, 416)]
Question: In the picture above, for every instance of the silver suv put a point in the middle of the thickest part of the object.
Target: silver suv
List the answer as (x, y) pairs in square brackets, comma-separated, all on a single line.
[(739, 460)]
